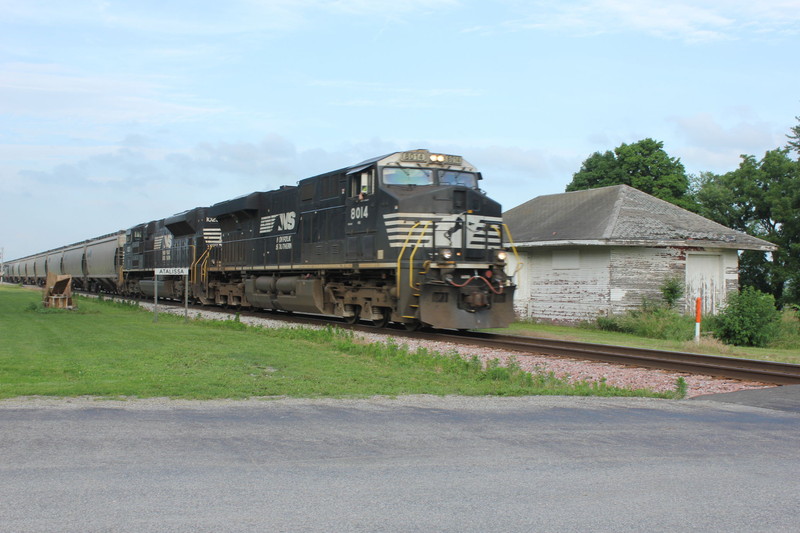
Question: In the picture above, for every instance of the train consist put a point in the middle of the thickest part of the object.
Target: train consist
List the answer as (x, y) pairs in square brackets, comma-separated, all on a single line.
[(407, 238)]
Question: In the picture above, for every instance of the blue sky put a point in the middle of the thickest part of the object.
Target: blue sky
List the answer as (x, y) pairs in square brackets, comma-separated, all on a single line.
[(119, 112)]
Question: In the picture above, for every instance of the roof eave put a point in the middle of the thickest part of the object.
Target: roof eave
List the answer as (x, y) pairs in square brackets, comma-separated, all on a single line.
[(731, 245)]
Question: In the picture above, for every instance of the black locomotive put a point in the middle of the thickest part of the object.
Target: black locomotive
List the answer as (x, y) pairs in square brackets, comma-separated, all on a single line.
[(408, 237)]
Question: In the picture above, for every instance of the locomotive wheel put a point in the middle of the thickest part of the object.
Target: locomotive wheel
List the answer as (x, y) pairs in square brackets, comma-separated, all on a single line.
[(386, 314), (353, 319), (412, 326)]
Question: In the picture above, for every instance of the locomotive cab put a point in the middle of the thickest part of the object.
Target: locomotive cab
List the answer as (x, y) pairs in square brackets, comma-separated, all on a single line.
[(444, 236)]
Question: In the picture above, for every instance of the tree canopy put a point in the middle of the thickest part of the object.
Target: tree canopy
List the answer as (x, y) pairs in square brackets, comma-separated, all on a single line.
[(762, 198), (794, 137), (643, 165)]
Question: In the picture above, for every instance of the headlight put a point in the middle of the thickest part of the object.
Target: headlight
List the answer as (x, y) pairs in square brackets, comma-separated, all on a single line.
[(447, 254), (502, 255)]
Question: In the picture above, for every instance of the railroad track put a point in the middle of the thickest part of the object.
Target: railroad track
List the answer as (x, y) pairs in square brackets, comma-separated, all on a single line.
[(692, 363)]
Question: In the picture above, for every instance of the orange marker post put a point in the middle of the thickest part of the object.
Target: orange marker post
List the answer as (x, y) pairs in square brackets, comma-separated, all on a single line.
[(698, 317)]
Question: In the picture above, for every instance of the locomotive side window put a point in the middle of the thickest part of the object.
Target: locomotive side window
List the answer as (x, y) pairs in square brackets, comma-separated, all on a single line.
[(407, 176), (361, 185), (452, 177)]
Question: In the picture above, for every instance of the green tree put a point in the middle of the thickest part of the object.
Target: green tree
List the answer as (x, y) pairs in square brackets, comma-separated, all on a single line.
[(762, 198), (643, 165), (794, 138)]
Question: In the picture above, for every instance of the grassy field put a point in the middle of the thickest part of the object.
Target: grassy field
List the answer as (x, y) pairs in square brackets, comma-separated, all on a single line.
[(115, 350)]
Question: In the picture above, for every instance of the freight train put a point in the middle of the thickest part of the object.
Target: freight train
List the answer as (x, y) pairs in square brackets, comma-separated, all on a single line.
[(408, 238)]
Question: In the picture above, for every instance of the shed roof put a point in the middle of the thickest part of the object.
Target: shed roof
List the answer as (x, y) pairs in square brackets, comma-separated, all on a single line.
[(619, 215)]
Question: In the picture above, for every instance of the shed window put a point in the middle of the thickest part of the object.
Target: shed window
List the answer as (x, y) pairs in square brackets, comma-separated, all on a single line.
[(566, 260)]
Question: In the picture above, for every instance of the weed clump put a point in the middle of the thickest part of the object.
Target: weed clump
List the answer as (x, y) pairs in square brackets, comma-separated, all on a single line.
[(750, 318), (651, 322)]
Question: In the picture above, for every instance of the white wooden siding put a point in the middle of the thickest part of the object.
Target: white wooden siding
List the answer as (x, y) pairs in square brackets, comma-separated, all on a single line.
[(637, 275), (572, 292), (569, 285)]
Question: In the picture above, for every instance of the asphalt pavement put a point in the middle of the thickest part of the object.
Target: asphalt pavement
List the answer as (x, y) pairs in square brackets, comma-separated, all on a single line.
[(785, 398), (404, 464)]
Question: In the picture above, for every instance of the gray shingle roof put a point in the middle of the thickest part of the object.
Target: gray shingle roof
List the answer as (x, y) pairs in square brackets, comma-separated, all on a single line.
[(619, 215)]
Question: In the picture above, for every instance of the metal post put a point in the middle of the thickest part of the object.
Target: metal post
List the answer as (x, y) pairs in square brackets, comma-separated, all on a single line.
[(186, 298), (698, 313), (155, 302)]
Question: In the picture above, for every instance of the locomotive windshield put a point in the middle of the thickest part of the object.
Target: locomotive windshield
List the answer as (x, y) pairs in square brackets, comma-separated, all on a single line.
[(454, 177), (425, 176), (407, 176)]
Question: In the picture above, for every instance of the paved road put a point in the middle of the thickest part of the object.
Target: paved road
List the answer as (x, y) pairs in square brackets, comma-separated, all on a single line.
[(410, 464)]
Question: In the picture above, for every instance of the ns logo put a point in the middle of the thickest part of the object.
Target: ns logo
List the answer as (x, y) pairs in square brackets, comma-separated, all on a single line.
[(279, 222)]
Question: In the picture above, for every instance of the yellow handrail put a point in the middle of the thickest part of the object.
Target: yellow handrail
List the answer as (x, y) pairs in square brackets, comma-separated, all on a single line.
[(513, 248), (413, 253), (193, 269), (191, 266), (499, 232), (206, 257), (400, 257), (196, 262)]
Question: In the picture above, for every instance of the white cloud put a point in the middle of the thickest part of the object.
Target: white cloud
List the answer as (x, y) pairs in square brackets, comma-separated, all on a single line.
[(387, 8), (384, 95), (703, 129), (192, 18), (690, 21), (53, 91), (716, 146), (185, 17), (214, 166)]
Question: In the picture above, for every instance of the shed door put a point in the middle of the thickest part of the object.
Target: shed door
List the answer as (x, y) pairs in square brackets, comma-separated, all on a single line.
[(704, 279)]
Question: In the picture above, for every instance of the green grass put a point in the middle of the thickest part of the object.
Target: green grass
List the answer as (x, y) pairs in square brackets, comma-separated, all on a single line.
[(115, 350)]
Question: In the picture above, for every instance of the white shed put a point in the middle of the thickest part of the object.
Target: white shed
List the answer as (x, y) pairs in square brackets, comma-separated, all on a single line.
[(604, 251)]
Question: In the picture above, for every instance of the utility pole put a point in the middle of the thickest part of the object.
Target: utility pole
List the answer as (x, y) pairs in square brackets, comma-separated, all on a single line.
[(2, 266)]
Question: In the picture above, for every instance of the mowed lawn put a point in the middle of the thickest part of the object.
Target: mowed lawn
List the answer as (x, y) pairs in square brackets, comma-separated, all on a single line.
[(112, 349)]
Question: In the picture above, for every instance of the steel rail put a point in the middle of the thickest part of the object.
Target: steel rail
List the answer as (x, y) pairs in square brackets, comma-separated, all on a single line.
[(694, 363), (770, 372)]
